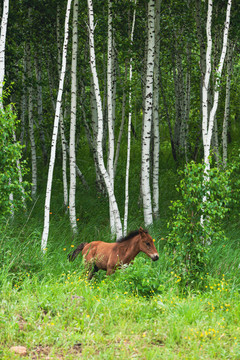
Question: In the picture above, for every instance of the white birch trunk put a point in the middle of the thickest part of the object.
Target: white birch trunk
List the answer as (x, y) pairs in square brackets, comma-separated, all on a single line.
[(72, 146), (55, 131), (64, 162), (110, 111), (93, 140), (118, 225), (58, 40), (208, 120), (125, 222), (124, 98), (147, 120), (2, 47), (61, 120), (156, 135)]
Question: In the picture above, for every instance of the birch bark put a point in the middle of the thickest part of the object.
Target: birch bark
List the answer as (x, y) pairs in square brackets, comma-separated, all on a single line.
[(2, 47), (208, 118), (72, 150), (61, 120), (124, 100), (156, 135), (110, 110), (147, 120), (55, 131), (118, 225), (125, 222)]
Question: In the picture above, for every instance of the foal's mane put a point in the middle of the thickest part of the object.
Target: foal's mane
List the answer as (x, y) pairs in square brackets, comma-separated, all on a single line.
[(130, 235)]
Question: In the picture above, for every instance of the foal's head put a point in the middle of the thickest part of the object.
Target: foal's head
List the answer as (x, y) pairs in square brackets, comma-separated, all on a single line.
[(147, 245)]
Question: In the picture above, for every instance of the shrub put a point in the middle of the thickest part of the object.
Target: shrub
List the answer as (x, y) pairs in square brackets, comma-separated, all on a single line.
[(196, 224), (10, 154)]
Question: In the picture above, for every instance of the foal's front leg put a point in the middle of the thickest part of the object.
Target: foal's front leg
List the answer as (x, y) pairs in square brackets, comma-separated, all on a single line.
[(110, 270)]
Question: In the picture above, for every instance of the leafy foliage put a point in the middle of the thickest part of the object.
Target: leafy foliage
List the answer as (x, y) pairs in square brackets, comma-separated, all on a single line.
[(196, 221), (10, 154)]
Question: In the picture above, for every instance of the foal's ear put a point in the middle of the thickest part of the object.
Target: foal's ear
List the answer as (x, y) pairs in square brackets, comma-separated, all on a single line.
[(141, 231)]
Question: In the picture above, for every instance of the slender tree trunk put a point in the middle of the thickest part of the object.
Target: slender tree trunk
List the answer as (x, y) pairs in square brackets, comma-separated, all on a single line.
[(64, 161), (147, 122), (93, 139), (110, 110), (2, 47), (129, 133), (124, 99), (156, 135), (72, 146), (202, 63), (118, 225), (55, 131), (61, 119), (208, 118)]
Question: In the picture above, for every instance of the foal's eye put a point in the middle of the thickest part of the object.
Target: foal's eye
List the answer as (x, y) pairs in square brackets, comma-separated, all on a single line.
[(148, 244)]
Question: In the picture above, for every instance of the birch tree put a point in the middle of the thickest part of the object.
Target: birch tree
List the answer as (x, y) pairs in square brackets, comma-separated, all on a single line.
[(105, 175), (147, 120), (2, 47), (72, 150), (55, 131), (156, 135), (209, 116), (110, 110), (61, 118), (129, 131)]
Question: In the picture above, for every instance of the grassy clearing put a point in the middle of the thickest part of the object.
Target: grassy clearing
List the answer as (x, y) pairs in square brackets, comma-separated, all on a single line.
[(48, 306), (69, 317)]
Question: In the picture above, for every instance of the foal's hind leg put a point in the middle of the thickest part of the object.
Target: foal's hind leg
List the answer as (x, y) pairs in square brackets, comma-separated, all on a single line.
[(92, 271)]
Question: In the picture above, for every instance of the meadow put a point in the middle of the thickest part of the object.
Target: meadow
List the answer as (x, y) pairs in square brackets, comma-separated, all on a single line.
[(48, 306)]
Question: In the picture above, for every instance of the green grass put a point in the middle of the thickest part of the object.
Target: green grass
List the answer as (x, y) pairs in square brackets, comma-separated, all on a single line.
[(56, 315), (48, 306)]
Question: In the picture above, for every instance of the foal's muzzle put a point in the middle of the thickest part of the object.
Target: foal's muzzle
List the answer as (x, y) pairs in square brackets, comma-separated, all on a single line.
[(154, 257)]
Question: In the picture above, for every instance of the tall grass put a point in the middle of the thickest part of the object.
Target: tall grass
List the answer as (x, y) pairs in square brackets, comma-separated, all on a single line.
[(48, 306)]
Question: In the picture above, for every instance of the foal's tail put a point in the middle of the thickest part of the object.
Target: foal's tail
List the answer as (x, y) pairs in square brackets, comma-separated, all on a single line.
[(72, 256)]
